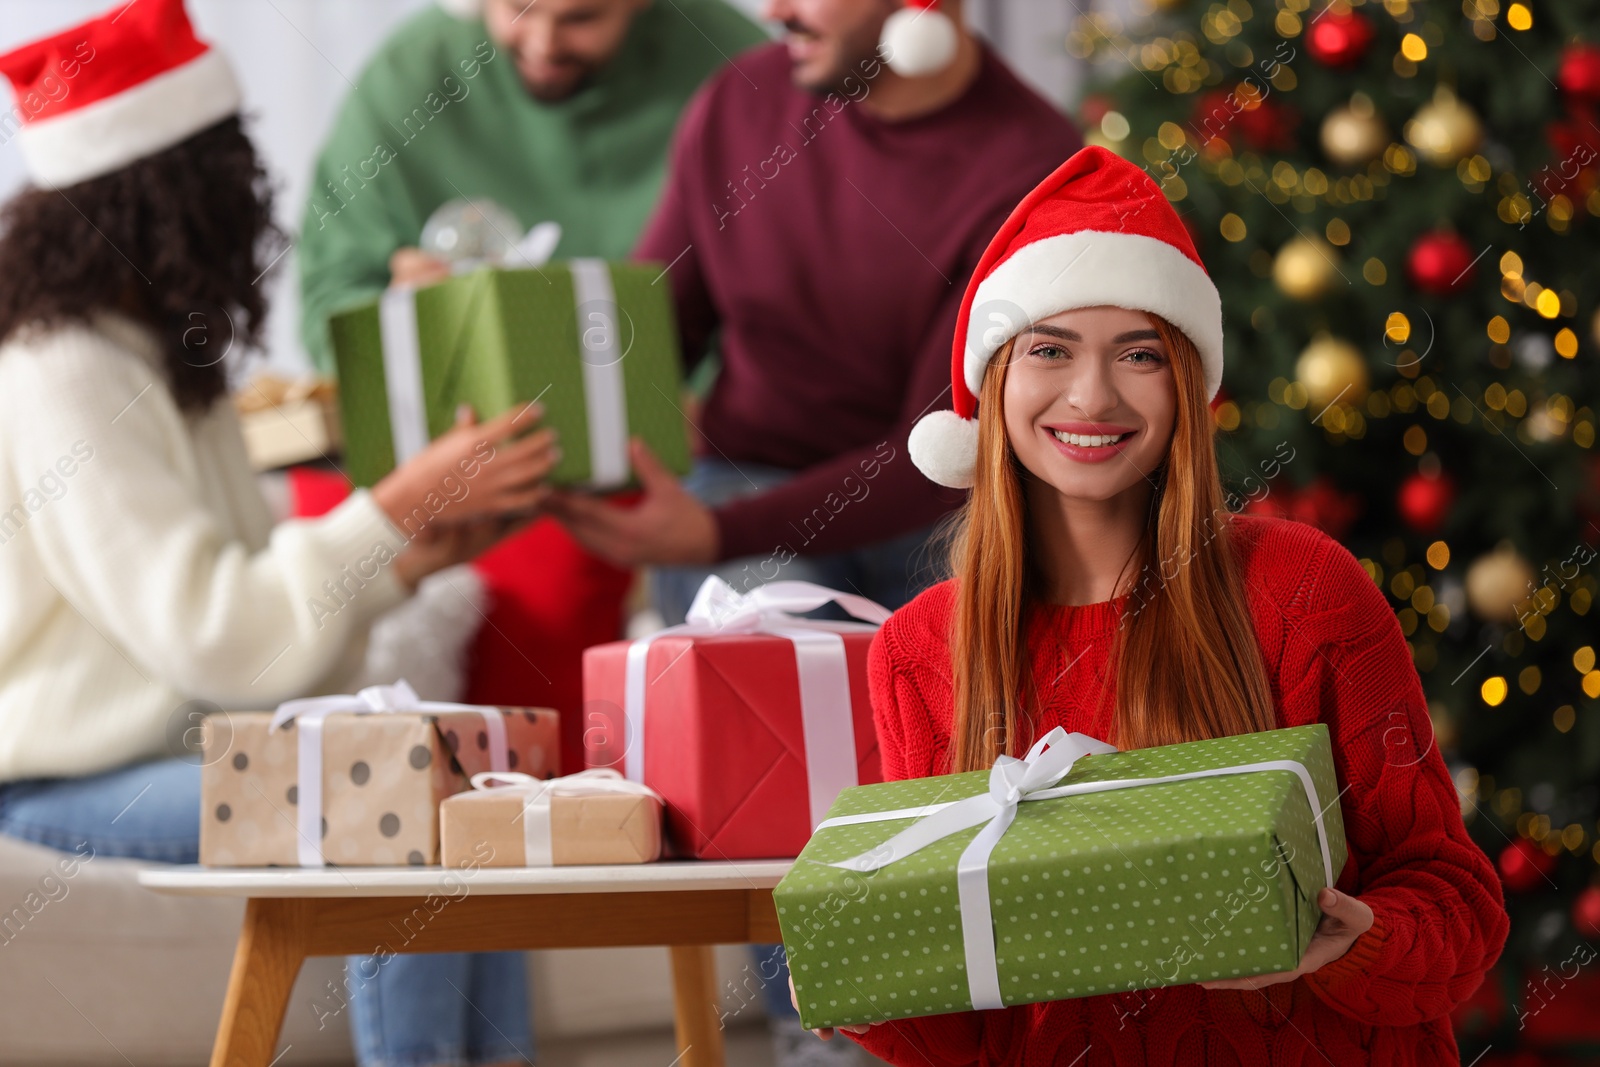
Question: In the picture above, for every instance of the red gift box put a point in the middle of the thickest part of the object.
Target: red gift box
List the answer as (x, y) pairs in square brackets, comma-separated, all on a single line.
[(723, 740)]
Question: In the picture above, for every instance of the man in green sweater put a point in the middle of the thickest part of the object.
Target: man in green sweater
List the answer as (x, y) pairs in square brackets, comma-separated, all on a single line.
[(557, 110)]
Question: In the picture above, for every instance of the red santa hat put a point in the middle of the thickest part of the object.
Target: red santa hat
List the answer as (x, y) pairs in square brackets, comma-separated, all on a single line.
[(1097, 232), (115, 89)]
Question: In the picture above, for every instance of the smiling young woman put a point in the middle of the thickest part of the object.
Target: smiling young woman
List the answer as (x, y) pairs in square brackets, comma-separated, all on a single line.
[(1099, 583)]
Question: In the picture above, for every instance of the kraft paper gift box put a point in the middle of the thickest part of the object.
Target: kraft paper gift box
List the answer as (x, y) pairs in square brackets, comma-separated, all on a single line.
[(382, 775), (515, 820), (1204, 862), (593, 342), (746, 719)]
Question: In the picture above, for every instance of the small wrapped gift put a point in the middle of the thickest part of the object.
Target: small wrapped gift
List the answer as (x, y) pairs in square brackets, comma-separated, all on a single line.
[(747, 719), (1074, 871), (516, 820), (594, 342), (354, 780), (285, 422)]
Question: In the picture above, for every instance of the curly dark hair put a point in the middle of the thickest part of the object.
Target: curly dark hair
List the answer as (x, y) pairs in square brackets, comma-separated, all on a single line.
[(179, 240)]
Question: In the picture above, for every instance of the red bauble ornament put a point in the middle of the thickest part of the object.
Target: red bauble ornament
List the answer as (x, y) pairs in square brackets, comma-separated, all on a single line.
[(1579, 75), (1320, 504), (1242, 115), (1424, 501), (1524, 865), (1586, 913), (1340, 41), (1093, 109), (1440, 264)]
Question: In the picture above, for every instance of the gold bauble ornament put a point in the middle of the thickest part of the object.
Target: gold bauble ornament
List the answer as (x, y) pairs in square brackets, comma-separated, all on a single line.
[(1305, 268), (1332, 369), (1497, 583), (1444, 130), (1353, 137), (1594, 327)]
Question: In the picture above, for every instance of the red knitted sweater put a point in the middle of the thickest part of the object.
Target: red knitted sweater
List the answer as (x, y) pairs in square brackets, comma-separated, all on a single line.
[(1334, 654)]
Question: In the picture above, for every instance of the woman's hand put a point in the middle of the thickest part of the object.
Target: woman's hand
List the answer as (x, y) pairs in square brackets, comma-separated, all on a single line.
[(471, 472), (466, 490), (1344, 918), (826, 1032), (444, 545)]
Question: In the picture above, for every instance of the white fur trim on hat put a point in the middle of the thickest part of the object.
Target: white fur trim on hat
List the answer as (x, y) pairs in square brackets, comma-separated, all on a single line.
[(919, 41), (944, 446), (108, 134), (1090, 268), (462, 9)]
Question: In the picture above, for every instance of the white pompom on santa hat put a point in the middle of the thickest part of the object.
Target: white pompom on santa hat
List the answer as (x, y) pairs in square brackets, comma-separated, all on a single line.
[(115, 89), (919, 39), (1097, 232)]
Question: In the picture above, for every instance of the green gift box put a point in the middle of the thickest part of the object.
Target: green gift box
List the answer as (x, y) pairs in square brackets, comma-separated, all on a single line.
[(594, 342), (1154, 867)]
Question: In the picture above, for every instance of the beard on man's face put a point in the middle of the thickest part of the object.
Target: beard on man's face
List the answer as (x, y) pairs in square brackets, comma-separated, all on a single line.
[(834, 58), (556, 80)]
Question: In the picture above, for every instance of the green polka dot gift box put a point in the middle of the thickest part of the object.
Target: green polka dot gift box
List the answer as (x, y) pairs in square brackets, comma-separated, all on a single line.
[(381, 780), (1076, 871), (596, 343)]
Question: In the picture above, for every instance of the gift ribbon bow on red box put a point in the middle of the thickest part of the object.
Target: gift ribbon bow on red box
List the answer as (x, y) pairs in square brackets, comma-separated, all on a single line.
[(825, 710)]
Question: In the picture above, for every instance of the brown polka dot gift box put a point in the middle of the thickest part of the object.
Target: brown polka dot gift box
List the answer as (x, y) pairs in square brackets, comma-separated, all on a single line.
[(516, 820), (354, 780), (748, 719), (1077, 870)]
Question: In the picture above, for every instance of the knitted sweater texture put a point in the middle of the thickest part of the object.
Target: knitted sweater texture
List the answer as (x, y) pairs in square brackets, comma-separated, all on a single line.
[(1335, 654)]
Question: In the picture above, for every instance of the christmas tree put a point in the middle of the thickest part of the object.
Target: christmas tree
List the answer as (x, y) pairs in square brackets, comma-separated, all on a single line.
[(1401, 206)]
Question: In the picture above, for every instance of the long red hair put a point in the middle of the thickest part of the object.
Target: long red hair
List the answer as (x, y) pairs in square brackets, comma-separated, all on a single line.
[(1188, 665)]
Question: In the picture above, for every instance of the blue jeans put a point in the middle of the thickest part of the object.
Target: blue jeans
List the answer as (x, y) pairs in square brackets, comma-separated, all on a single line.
[(890, 572), (403, 1011)]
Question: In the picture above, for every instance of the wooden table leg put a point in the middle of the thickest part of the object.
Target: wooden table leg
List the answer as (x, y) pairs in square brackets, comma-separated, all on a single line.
[(694, 999), (272, 945)]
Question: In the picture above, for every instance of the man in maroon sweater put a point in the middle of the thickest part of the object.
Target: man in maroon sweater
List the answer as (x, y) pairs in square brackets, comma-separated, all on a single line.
[(821, 217)]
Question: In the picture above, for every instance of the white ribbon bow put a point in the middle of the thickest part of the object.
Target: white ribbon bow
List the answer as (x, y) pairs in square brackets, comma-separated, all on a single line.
[(1011, 782), (308, 713), (827, 720), (537, 837), (595, 302)]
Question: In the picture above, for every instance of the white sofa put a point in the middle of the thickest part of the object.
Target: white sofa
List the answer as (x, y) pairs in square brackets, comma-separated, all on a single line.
[(107, 972)]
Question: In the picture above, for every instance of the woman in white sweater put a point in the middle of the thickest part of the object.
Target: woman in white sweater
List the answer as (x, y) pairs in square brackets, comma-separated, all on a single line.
[(139, 568)]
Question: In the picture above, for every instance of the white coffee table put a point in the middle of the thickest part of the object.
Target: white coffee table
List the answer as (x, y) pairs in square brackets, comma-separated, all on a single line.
[(292, 914)]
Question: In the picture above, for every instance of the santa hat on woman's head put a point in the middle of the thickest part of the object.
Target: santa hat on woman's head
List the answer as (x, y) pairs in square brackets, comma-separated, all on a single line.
[(115, 89), (1096, 232)]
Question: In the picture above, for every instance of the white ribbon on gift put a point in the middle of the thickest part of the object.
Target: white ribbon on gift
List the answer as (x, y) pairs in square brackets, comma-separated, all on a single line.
[(308, 715), (1011, 782), (605, 399), (537, 836), (826, 719)]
